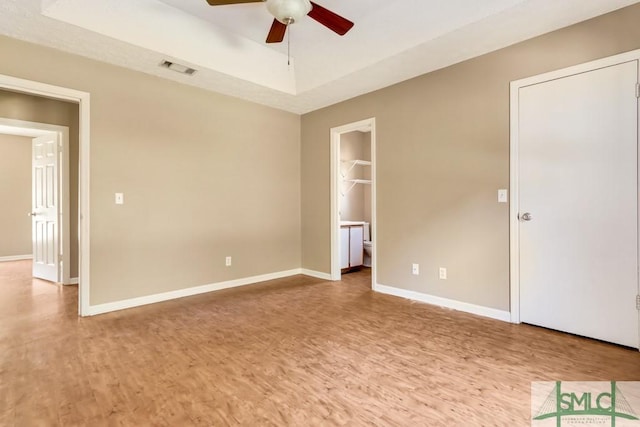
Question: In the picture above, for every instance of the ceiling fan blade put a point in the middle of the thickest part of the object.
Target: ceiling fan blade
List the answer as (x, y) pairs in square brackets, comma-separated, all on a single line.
[(277, 31), (330, 20), (223, 2)]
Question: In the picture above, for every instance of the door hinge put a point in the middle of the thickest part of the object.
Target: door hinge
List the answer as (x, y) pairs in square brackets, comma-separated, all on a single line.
[(638, 302), (637, 90)]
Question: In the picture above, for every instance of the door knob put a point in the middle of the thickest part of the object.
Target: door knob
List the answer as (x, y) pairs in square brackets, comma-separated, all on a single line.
[(32, 214), (526, 217)]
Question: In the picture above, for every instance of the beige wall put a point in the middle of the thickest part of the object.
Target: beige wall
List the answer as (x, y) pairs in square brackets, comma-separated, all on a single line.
[(15, 193), (19, 106), (442, 154), (204, 176)]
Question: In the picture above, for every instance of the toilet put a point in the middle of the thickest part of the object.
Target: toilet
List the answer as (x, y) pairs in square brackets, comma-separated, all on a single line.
[(367, 245)]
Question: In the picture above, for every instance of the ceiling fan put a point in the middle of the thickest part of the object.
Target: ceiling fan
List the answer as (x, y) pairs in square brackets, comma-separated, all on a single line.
[(286, 12)]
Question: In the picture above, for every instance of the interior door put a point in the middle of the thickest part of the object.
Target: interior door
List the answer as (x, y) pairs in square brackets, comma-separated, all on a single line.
[(578, 188), (44, 212)]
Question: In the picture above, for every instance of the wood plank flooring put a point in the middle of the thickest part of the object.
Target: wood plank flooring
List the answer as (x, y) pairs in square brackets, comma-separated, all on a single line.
[(290, 352)]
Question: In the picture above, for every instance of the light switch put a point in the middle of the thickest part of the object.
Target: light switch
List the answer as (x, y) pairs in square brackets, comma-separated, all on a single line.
[(119, 198), (503, 196)]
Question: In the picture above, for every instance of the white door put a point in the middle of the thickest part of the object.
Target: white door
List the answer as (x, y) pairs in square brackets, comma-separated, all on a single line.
[(44, 213), (578, 180)]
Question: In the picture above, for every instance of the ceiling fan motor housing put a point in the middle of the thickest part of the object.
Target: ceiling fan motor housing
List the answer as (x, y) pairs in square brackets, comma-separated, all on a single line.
[(288, 11)]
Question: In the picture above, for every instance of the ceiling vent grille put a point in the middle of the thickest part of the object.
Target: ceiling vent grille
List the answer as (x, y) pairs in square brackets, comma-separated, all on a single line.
[(179, 68)]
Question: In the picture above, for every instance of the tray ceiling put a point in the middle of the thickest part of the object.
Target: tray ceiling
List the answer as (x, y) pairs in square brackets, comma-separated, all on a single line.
[(392, 40)]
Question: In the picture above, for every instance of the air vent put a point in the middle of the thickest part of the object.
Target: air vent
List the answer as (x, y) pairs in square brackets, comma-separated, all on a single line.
[(179, 68)]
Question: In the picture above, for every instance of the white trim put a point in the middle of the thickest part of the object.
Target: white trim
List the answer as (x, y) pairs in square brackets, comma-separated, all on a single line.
[(83, 100), (610, 61), (181, 293), (15, 258), (515, 86), (316, 274), (478, 310), (73, 281), (366, 125), (84, 263), (374, 201), (514, 203), (335, 204)]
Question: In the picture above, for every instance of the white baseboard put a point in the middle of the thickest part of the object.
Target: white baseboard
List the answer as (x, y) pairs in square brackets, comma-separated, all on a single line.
[(73, 281), (479, 310), (15, 258), (316, 274), (181, 293)]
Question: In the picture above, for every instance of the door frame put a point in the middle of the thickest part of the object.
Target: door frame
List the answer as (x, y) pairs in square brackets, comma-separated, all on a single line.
[(515, 86), (83, 100), (30, 130), (366, 125)]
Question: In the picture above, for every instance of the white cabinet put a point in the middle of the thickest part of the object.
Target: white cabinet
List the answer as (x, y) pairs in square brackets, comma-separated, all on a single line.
[(356, 248), (351, 247), (344, 247)]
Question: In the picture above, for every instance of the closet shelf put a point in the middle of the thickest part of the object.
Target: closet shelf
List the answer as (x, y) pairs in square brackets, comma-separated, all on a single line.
[(355, 182), (359, 162), (353, 163)]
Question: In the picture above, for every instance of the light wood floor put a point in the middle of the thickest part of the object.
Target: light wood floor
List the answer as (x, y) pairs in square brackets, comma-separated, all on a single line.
[(290, 352)]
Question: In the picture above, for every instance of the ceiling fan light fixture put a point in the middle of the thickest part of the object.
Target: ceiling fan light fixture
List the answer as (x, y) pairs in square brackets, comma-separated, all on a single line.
[(288, 11)]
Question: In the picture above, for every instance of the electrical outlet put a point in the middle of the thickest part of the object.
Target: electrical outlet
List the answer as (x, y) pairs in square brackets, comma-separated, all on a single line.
[(443, 273), (415, 269), (227, 261)]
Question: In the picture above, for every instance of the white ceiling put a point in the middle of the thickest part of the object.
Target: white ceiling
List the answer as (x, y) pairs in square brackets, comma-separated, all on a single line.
[(392, 40)]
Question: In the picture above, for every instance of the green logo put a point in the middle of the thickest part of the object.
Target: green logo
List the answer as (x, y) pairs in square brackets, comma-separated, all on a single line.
[(586, 405)]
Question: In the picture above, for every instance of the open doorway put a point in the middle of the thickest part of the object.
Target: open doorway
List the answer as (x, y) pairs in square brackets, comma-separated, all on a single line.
[(37, 219), (353, 198), (14, 93)]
